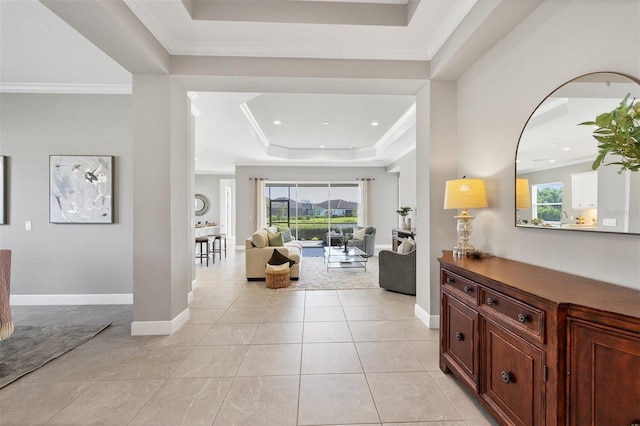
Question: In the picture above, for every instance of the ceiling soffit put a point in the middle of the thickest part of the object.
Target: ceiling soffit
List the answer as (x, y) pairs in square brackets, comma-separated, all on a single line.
[(306, 12), (322, 127)]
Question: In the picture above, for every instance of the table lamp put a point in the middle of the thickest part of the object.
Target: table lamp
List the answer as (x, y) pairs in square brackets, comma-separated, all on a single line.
[(464, 194), (523, 197)]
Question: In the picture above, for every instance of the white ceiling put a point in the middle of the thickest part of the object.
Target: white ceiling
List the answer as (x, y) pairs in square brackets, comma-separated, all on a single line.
[(40, 52)]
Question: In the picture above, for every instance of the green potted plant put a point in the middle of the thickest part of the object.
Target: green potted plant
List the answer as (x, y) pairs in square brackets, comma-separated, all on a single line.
[(345, 242), (404, 212), (618, 133)]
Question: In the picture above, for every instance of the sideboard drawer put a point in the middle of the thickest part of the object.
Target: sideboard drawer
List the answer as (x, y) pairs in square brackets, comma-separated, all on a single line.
[(512, 312), (460, 286)]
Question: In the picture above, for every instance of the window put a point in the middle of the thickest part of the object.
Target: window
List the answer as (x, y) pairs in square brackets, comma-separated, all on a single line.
[(547, 199), (313, 209)]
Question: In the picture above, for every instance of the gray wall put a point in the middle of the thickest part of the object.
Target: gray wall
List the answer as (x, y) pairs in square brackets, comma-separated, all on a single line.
[(556, 43), (66, 258), (209, 186), (385, 193)]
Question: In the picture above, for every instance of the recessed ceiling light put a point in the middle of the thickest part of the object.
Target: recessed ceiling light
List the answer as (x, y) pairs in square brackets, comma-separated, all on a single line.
[(374, 123), (552, 161), (568, 148), (277, 122), (321, 146), (326, 123), (196, 159)]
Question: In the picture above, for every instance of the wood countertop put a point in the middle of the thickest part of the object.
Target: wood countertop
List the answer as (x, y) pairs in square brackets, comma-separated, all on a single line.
[(553, 286)]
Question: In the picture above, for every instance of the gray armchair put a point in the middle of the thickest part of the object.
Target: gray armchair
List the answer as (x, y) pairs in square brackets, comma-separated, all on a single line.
[(368, 244), (397, 271)]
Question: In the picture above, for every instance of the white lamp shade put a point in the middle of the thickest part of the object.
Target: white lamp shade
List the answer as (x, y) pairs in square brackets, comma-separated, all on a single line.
[(465, 194), (523, 195)]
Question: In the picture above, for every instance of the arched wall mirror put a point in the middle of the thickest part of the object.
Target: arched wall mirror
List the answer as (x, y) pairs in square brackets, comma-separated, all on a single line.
[(556, 187), (202, 204)]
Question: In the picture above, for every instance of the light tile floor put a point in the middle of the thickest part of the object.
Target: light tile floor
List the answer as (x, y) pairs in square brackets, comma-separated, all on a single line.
[(248, 356)]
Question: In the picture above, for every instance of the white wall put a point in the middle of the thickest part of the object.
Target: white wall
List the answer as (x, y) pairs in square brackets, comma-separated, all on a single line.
[(556, 43), (66, 259), (385, 193), (407, 185)]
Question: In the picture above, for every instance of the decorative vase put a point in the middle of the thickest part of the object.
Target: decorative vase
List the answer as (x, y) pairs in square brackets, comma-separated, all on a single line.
[(405, 224), (346, 248)]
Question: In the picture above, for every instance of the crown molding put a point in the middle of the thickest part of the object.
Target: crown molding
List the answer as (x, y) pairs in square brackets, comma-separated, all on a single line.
[(67, 88)]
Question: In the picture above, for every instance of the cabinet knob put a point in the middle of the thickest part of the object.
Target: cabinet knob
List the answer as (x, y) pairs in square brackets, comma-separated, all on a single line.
[(467, 289), (450, 280), (522, 318), (459, 336), (505, 376), (490, 301)]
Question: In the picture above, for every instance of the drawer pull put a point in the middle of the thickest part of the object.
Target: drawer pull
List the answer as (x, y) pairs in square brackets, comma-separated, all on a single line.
[(635, 423), (450, 280), (522, 318), (459, 336), (491, 301), (467, 289), (506, 377)]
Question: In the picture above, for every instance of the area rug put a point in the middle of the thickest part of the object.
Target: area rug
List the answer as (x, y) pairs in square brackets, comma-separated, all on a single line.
[(31, 347), (314, 276)]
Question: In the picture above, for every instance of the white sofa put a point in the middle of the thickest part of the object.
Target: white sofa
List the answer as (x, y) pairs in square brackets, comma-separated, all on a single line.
[(257, 254)]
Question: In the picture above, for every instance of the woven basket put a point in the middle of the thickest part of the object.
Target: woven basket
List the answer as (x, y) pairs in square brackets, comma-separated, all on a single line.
[(278, 279)]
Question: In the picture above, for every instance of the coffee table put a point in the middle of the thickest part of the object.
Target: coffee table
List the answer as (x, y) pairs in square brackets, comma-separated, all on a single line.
[(335, 257)]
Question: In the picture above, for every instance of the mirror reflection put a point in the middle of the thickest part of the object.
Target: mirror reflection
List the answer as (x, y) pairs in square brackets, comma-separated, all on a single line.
[(556, 187)]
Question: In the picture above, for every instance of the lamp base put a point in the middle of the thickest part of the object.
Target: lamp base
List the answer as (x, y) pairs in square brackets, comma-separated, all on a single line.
[(466, 250), (463, 248)]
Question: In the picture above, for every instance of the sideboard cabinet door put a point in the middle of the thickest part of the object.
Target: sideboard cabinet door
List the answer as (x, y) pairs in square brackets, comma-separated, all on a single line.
[(605, 373), (460, 339), (512, 376)]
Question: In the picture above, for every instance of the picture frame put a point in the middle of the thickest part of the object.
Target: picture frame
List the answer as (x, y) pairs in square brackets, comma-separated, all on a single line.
[(81, 189), (3, 190)]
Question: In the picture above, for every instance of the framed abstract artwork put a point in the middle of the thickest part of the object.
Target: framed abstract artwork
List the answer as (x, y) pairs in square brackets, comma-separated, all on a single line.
[(3, 190), (80, 189)]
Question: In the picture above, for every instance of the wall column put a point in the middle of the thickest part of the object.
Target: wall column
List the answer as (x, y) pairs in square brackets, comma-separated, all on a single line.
[(436, 113), (161, 196)]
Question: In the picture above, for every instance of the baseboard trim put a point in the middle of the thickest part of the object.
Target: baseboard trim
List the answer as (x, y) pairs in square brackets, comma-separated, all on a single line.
[(160, 328), (70, 299), (431, 321)]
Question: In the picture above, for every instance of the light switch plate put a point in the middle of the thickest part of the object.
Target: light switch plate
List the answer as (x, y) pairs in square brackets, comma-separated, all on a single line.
[(27, 225), (608, 222)]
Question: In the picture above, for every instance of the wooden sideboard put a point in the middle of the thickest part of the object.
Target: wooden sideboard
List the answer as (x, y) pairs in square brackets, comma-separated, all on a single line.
[(540, 347), (399, 234)]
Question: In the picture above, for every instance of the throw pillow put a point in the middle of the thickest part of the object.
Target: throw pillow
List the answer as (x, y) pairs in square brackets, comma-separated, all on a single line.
[(260, 238), (406, 246), (286, 234), (273, 229), (278, 258), (411, 244), (275, 239), (277, 268), (358, 234)]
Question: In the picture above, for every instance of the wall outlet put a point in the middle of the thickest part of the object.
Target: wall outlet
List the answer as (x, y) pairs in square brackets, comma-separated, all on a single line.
[(608, 222), (27, 225)]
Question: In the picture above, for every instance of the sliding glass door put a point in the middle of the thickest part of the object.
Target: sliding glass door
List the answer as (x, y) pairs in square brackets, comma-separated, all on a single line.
[(311, 210)]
